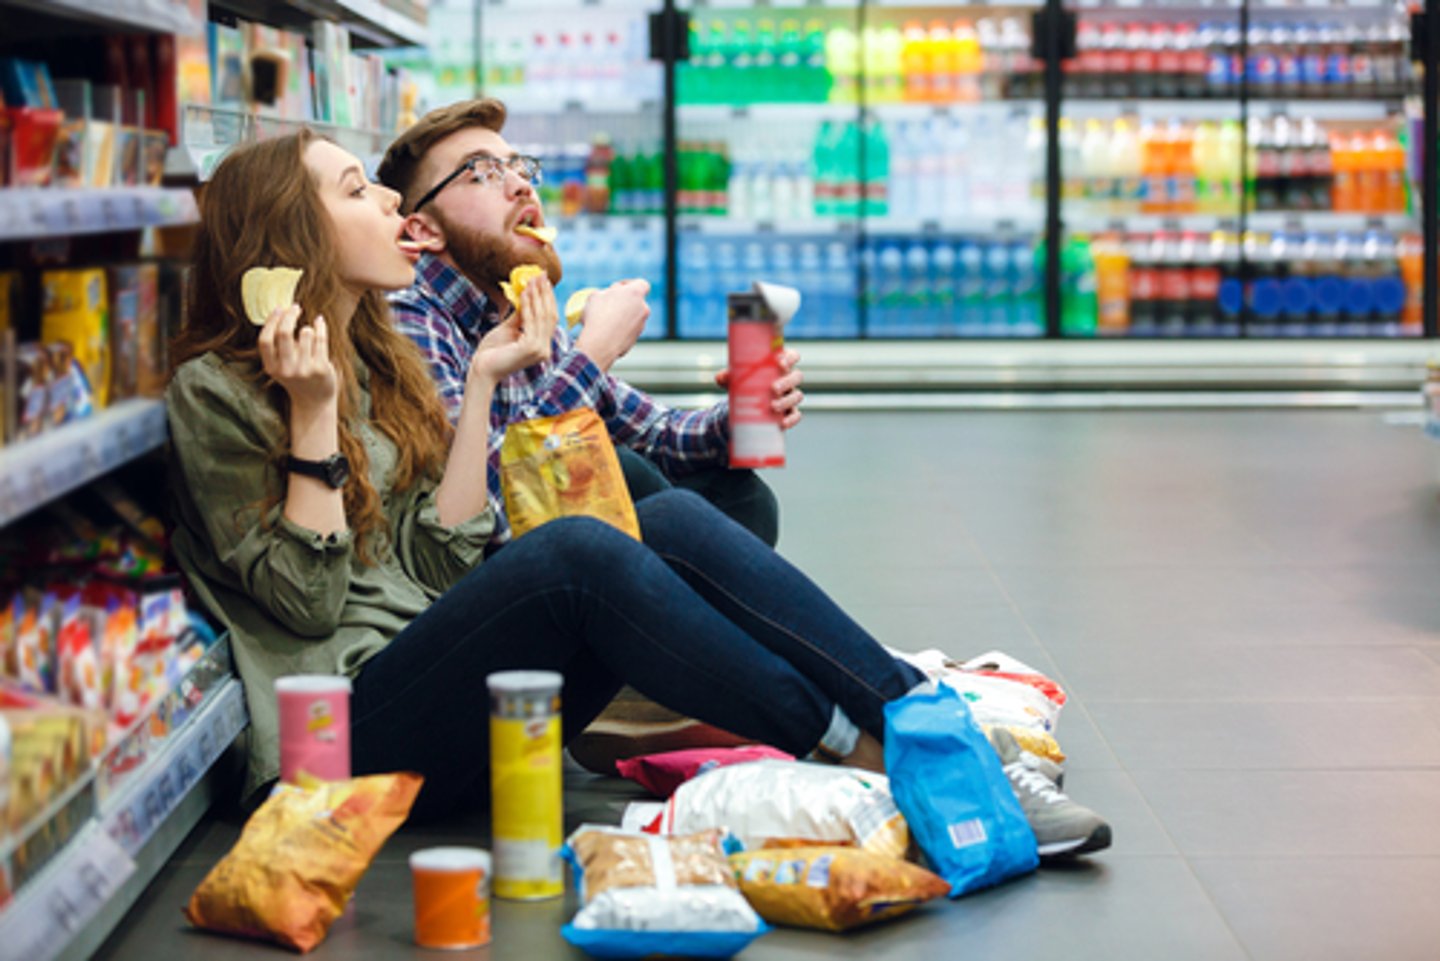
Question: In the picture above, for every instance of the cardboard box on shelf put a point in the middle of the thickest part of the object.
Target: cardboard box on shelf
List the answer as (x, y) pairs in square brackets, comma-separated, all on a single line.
[(76, 311), (33, 134)]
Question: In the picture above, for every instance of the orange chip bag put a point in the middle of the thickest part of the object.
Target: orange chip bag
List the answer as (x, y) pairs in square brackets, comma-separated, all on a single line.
[(299, 858), (832, 888), (563, 466)]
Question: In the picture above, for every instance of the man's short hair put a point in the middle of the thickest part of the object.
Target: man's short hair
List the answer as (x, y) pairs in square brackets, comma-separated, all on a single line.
[(400, 169)]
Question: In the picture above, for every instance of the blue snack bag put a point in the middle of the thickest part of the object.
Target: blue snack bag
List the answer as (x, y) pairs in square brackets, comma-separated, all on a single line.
[(948, 782)]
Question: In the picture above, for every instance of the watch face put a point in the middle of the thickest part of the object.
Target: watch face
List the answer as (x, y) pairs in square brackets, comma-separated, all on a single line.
[(337, 471)]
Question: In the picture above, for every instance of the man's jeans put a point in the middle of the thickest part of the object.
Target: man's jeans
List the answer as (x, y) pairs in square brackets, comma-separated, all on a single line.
[(739, 494), (702, 617)]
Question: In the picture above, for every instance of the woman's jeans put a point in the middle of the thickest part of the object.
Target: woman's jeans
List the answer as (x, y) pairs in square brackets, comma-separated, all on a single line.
[(702, 618)]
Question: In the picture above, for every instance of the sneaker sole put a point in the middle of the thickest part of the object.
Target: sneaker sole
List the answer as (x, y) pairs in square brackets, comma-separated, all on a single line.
[(1098, 840)]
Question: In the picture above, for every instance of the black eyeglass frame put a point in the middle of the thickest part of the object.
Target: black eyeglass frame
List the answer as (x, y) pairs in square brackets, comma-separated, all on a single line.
[(527, 167)]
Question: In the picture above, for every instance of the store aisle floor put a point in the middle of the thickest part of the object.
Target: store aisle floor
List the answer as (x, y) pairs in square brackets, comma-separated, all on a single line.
[(1245, 609)]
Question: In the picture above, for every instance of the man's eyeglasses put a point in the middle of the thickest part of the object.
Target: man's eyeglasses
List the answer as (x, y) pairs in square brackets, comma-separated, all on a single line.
[(486, 169)]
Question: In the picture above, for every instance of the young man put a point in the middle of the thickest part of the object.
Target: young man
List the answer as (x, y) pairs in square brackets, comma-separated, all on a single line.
[(464, 192)]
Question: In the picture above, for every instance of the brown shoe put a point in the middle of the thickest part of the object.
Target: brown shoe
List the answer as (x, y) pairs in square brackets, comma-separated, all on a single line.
[(633, 726)]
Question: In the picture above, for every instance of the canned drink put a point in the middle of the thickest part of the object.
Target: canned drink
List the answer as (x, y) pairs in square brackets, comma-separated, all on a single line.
[(452, 897), (314, 726), (525, 778)]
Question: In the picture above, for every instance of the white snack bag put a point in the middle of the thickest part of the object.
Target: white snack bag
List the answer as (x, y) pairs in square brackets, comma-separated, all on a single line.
[(774, 800)]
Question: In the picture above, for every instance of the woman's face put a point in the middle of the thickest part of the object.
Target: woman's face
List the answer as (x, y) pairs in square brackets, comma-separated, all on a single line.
[(366, 220)]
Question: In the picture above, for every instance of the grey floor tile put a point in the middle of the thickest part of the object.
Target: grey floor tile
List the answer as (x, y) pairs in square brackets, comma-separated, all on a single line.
[(1277, 814), (1270, 735), (1157, 671), (1328, 909)]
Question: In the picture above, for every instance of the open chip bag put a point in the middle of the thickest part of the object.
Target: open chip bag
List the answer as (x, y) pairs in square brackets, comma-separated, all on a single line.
[(770, 803), (644, 895), (563, 466), (948, 781), (300, 857)]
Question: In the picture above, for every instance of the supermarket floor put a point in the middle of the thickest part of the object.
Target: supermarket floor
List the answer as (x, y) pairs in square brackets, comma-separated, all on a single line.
[(1245, 608)]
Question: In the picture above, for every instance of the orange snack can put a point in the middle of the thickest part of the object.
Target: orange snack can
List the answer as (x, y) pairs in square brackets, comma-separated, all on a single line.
[(452, 897)]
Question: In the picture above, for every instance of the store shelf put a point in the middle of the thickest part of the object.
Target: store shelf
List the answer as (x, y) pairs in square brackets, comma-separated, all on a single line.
[(371, 19), (739, 227), (808, 112), (69, 906), (209, 133), (1320, 221), (161, 16), (30, 213), (519, 105), (984, 226), (40, 469), (989, 109), (1081, 108), (601, 223)]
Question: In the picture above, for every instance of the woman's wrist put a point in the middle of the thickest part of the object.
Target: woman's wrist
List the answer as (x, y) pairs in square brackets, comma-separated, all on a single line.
[(314, 433)]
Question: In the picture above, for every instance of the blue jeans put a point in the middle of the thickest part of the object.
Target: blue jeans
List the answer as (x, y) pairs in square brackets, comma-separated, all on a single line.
[(702, 618), (738, 493)]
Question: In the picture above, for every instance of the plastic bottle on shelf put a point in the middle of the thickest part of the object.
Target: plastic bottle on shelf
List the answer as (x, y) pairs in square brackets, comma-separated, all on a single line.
[(875, 200), (993, 59), (970, 288), (969, 61), (1288, 80), (1344, 196), (847, 171), (1112, 286), (1182, 167), (1382, 258), (822, 168), (1141, 80), (1154, 169), (941, 308), (999, 303), (887, 282), (888, 77), (951, 175), (1205, 280), (915, 61), (1027, 307), (842, 62), (1390, 162), (1126, 166), (1262, 294), (1297, 288), (904, 166), (1095, 185), (1411, 256), (1167, 60), (1230, 300), (812, 57), (810, 281), (1311, 60), (1079, 309), (1327, 296), (1362, 62), (1143, 285), (1367, 150), (1172, 298), (1337, 60), (1020, 71), (1035, 159), (839, 279)]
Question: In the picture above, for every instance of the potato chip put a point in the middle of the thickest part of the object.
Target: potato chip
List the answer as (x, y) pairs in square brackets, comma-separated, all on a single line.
[(263, 290), (546, 235), (575, 304), (520, 278)]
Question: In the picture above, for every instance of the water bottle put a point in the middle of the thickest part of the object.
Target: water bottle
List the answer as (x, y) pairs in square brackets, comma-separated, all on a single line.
[(1028, 310), (997, 289), (1328, 296), (842, 317), (943, 260), (890, 289), (729, 275), (810, 280), (869, 302), (649, 264), (916, 316), (970, 289), (904, 163)]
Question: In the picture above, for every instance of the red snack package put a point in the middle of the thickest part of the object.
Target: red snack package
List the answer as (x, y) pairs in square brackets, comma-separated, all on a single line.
[(661, 774)]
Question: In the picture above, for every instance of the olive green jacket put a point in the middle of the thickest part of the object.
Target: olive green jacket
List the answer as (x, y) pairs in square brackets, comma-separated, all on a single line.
[(294, 601)]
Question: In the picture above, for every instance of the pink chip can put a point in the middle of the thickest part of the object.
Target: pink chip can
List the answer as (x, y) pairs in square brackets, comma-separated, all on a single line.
[(314, 727)]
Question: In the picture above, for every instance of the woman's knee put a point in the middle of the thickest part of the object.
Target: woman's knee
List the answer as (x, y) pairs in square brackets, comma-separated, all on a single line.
[(584, 542)]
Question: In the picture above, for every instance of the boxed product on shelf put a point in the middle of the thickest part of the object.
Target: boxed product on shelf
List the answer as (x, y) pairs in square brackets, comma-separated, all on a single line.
[(27, 83), (50, 388), (134, 295), (76, 311), (31, 154)]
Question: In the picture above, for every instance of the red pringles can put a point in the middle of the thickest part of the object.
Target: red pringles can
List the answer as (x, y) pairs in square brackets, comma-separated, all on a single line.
[(756, 338)]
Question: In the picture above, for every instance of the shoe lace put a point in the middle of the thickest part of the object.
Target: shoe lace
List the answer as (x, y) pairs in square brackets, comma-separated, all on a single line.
[(1034, 782)]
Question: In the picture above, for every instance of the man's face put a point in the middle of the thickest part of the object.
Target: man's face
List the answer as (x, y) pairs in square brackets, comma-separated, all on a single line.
[(476, 220)]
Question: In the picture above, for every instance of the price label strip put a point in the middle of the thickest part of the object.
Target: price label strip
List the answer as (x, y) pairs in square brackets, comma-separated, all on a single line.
[(57, 905)]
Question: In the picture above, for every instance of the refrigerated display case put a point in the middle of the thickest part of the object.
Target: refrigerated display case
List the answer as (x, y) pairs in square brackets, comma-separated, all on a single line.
[(970, 170), (1246, 170)]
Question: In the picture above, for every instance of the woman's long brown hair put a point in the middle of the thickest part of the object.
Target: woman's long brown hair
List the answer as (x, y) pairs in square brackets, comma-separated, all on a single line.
[(262, 208)]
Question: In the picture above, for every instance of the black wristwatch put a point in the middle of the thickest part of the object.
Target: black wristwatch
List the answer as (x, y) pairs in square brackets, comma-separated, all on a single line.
[(333, 470)]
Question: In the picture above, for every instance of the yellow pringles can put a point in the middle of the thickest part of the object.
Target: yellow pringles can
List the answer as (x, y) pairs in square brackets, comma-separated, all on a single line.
[(527, 826)]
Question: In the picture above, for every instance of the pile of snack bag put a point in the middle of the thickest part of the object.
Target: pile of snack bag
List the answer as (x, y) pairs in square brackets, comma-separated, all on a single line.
[(93, 632), (743, 839)]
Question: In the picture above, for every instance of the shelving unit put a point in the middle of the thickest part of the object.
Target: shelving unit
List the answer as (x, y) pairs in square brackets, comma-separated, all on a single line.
[(37, 212), (155, 15), (209, 133)]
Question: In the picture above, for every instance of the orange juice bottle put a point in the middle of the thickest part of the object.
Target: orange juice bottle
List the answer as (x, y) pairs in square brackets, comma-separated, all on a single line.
[(1112, 285), (1153, 163), (1369, 176), (969, 61), (1182, 168), (1412, 274), (944, 64), (1344, 196), (915, 62), (1392, 166)]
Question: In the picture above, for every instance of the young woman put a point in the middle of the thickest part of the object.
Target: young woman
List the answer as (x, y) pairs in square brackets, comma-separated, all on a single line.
[(379, 571)]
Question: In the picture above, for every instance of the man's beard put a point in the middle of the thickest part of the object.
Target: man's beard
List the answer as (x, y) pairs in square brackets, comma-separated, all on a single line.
[(487, 259)]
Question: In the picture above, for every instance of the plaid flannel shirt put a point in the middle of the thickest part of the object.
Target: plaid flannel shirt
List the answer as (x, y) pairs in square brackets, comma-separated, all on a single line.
[(446, 316)]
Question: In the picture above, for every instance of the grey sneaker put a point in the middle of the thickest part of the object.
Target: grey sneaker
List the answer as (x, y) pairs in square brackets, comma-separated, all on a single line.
[(1061, 826)]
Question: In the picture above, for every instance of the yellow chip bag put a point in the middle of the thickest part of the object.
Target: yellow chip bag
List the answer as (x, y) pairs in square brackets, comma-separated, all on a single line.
[(299, 858), (263, 290), (563, 466), (832, 888), (520, 278)]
